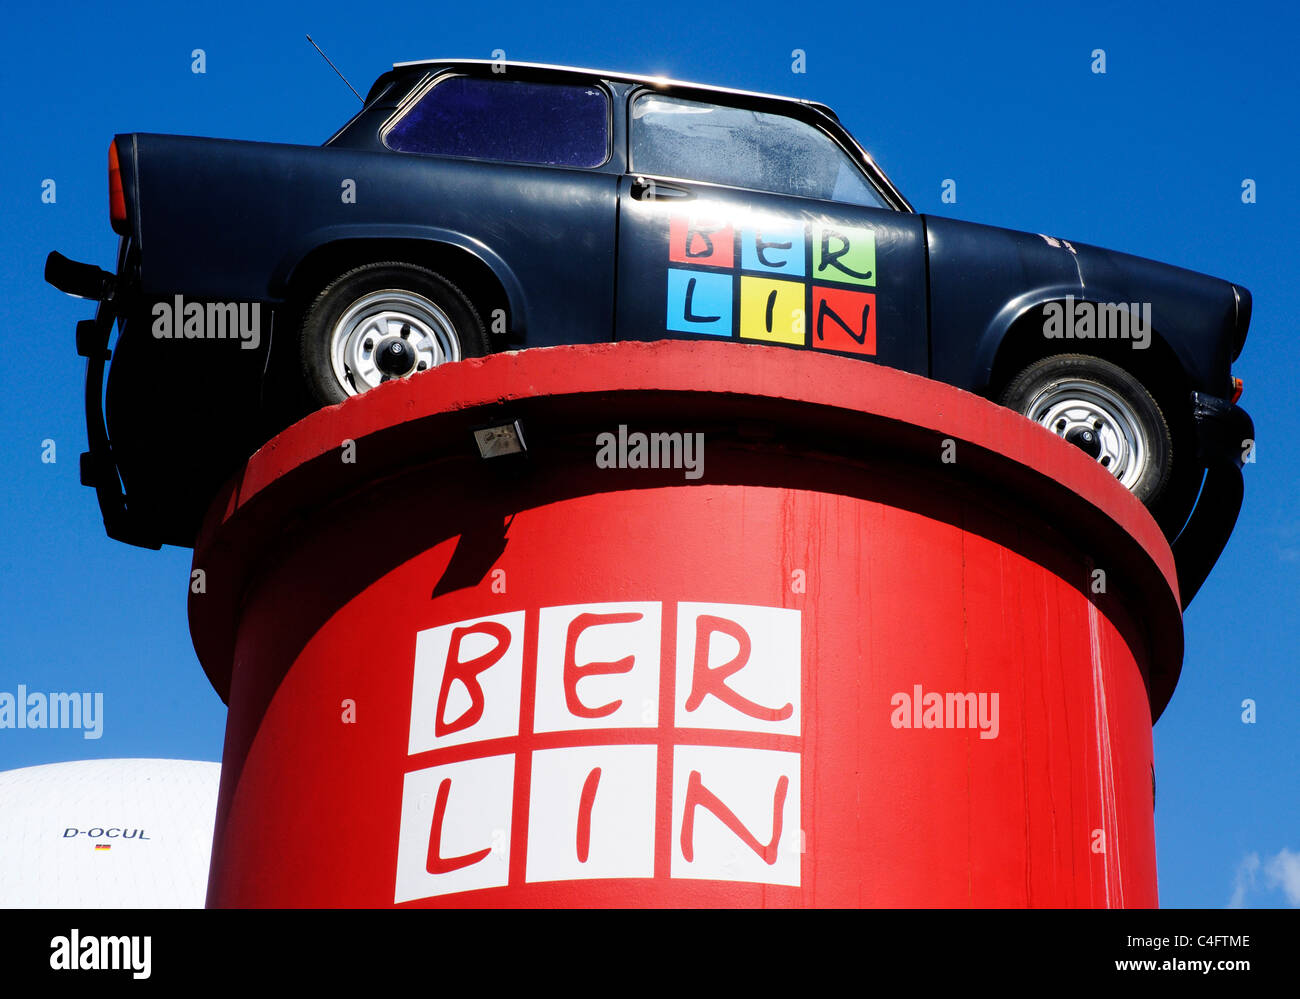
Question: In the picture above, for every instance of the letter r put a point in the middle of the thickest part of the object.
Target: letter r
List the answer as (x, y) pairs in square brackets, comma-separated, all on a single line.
[(706, 680)]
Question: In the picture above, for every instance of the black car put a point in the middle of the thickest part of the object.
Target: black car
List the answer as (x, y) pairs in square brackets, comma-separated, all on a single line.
[(471, 207)]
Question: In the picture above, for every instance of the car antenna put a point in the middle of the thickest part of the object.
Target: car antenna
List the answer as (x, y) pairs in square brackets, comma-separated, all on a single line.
[(335, 68)]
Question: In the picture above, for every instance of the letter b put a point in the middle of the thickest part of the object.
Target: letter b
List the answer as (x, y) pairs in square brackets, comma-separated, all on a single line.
[(467, 672)]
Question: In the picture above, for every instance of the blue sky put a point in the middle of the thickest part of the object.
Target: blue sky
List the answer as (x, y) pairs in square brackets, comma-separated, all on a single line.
[(1148, 158)]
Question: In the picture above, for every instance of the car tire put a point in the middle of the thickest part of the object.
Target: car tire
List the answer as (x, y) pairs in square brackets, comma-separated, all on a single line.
[(380, 322), (1075, 395)]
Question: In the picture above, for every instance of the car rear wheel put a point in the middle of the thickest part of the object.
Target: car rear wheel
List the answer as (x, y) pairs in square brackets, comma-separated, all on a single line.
[(1104, 411), (384, 321)]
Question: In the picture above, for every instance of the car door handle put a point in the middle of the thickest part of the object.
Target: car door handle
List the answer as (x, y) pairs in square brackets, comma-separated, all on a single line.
[(645, 189)]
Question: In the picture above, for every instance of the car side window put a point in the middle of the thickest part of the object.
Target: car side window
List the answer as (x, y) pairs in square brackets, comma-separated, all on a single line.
[(517, 121), (735, 147)]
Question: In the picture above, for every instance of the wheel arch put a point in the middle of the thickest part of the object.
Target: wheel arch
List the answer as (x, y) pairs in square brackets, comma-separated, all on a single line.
[(1015, 340), (1020, 343), (475, 269)]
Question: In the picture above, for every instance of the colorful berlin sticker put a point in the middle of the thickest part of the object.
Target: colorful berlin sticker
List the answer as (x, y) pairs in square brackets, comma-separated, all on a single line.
[(774, 281)]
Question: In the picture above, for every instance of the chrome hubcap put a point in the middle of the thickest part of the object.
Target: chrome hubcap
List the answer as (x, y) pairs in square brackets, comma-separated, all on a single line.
[(1098, 422), (390, 334)]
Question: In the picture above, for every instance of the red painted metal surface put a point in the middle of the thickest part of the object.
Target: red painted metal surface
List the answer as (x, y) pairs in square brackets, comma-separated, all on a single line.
[(542, 682)]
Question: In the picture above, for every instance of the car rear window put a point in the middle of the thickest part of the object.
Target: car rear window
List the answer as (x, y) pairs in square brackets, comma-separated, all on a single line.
[(737, 147), (518, 121)]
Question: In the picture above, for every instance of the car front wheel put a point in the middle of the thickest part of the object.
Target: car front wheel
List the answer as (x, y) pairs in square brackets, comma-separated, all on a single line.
[(1104, 411), (384, 321)]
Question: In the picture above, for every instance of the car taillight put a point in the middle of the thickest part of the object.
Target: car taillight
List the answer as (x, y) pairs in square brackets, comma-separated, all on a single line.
[(1238, 386), (116, 199)]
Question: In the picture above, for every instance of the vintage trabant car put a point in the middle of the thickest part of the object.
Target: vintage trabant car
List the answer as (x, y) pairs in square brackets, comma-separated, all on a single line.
[(472, 207)]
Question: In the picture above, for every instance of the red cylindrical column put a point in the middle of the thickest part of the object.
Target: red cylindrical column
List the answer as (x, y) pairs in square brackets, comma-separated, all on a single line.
[(873, 641)]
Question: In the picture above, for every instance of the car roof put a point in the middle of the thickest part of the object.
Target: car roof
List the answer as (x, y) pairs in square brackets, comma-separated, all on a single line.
[(401, 69), (654, 81)]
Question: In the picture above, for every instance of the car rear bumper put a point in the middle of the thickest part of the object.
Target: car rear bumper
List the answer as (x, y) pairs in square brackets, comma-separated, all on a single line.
[(1225, 440), (99, 468)]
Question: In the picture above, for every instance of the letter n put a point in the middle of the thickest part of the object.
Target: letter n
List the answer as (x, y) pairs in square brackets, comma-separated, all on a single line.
[(852, 320), (697, 795)]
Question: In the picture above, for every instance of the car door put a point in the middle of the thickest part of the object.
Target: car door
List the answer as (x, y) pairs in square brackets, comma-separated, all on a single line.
[(523, 169), (741, 221)]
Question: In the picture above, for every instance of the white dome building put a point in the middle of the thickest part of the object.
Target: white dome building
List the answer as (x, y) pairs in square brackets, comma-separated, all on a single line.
[(107, 834)]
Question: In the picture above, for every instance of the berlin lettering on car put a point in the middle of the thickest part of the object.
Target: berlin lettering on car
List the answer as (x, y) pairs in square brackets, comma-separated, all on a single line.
[(466, 210), (706, 273)]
